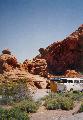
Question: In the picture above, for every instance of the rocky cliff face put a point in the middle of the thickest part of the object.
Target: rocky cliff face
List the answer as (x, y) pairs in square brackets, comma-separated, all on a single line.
[(36, 66), (60, 58), (56, 59), (65, 55)]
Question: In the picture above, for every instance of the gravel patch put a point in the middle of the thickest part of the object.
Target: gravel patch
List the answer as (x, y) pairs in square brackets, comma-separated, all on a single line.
[(78, 116), (56, 115), (39, 93)]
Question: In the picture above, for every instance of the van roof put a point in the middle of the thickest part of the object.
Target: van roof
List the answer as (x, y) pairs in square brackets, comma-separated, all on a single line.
[(71, 78), (54, 79)]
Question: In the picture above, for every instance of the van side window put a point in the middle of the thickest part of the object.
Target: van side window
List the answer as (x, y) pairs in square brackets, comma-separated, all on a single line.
[(81, 81), (76, 81), (70, 81)]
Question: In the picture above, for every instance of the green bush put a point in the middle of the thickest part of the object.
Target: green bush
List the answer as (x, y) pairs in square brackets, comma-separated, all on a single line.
[(75, 95), (27, 106), (67, 104), (63, 101), (60, 102), (13, 114), (13, 91), (81, 108), (52, 104), (52, 96)]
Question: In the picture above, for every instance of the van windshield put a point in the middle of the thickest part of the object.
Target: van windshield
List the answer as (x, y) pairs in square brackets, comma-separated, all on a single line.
[(63, 81)]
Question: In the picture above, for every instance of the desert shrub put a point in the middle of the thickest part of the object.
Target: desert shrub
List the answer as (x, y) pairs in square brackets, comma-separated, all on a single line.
[(59, 102), (76, 91), (67, 103), (6, 101), (81, 108), (52, 104), (75, 95), (13, 114), (52, 96), (20, 91), (27, 106), (13, 90), (63, 101)]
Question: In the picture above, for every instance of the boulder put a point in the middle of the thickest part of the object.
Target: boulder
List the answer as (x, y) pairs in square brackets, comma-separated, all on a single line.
[(7, 61), (71, 73), (6, 51)]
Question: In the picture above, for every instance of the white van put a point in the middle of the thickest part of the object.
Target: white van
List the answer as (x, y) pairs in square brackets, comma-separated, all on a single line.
[(70, 84)]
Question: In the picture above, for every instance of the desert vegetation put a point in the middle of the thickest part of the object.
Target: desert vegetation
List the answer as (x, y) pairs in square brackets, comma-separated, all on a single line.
[(16, 101), (15, 95), (64, 101), (81, 108), (13, 114)]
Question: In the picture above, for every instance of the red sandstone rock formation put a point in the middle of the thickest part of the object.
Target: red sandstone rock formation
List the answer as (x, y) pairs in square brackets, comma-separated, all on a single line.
[(59, 58), (36, 67), (65, 55), (71, 73), (7, 61), (12, 69)]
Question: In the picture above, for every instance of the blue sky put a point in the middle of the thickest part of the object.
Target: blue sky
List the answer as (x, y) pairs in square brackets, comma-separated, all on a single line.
[(27, 25)]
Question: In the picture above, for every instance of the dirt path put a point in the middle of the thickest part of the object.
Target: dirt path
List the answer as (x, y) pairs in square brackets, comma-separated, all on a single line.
[(43, 114), (39, 94)]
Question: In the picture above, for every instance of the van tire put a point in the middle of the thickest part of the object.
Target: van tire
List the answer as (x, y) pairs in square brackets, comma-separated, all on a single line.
[(71, 89)]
